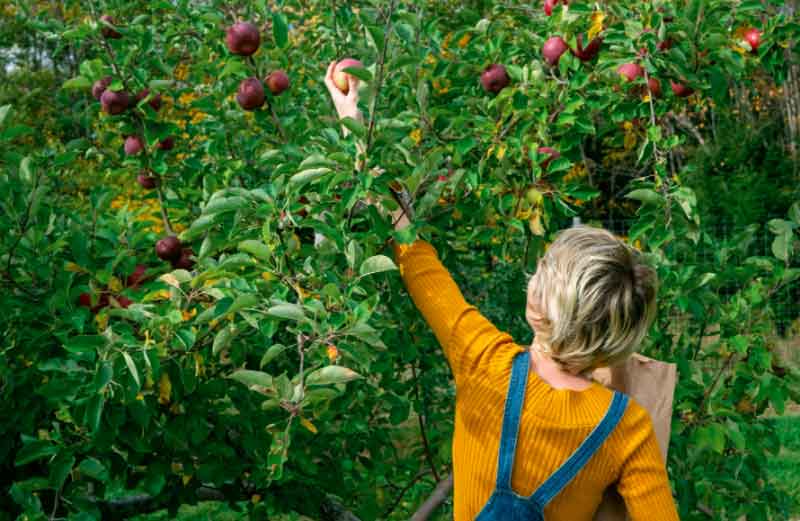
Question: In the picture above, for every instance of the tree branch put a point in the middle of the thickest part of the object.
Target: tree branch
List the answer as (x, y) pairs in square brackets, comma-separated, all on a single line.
[(435, 500)]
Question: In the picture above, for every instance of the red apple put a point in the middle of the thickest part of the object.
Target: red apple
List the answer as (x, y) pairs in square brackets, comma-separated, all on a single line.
[(587, 53), (114, 102), (753, 37), (124, 301), (243, 38), (169, 248), (655, 86), (277, 82), (552, 153), (146, 181), (494, 78), (137, 277), (168, 143), (108, 32), (665, 45), (550, 4), (184, 261), (85, 300), (100, 87), (630, 71), (251, 94), (133, 145), (340, 77), (553, 48), (681, 90), (155, 100)]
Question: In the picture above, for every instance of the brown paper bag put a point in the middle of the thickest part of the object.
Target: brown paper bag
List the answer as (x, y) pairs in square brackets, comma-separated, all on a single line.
[(652, 384)]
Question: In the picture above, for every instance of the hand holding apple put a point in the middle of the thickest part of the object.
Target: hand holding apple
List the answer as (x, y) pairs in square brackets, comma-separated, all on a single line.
[(345, 101)]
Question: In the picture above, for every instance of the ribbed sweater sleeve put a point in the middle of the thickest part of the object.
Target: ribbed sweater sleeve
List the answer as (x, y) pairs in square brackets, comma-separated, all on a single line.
[(464, 333), (643, 483)]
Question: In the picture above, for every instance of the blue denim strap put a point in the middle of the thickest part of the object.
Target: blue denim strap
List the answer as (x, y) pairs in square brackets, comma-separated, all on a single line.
[(570, 468), (513, 410)]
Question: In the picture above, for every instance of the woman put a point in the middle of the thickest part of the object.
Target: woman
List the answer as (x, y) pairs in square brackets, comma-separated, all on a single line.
[(535, 437)]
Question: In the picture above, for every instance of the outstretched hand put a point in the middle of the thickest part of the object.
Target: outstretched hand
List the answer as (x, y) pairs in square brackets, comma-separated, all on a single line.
[(346, 104)]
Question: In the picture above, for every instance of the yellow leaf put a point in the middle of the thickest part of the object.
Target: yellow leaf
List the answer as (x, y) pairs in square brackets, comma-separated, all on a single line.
[(333, 352), (186, 478), (501, 151), (308, 425), (268, 276), (164, 389), (255, 499), (102, 321), (170, 279), (115, 285), (74, 268), (597, 24), (416, 136), (464, 40), (188, 315), (535, 222), (630, 141)]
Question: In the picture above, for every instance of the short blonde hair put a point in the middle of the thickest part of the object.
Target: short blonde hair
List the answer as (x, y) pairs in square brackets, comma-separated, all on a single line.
[(592, 299)]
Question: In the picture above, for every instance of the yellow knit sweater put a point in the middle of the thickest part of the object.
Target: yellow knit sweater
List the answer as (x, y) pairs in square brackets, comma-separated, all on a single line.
[(554, 422)]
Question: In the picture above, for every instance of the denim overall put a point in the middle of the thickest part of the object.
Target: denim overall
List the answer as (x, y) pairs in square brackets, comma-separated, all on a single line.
[(506, 504)]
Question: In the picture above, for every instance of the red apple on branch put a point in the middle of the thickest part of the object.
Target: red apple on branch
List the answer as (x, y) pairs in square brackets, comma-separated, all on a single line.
[(109, 32), (550, 4), (243, 38), (184, 261), (169, 248), (552, 154), (494, 78), (340, 77), (148, 182), (133, 145), (100, 87), (681, 90), (137, 277), (154, 102), (251, 94), (587, 53), (114, 103), (277, 82), (631, 71), (655, 86), (553, 49), (168, 143), (753, 37)]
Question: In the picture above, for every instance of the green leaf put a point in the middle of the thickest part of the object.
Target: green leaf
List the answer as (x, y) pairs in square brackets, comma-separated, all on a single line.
[(85, 344), (332, 374), (280, 31), (247, 300), (376, 264), (287, 311), (94, 412), (222, 339), (59, 468), (225, 204), (132, 368), (33, 451), (354, 126), (234, 68), (359, 72), (646, 196), (92, 468), (77, 83), (794, 211), (306, 176), (273, 351), (248, 377), (781, 246), (5, 110)]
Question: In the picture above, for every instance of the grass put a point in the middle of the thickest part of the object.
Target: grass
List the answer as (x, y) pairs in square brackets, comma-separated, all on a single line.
[(785, 467)]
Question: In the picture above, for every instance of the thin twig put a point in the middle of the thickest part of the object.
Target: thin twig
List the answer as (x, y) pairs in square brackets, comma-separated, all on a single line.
[(435, 500), (379, 82), (421, 420)]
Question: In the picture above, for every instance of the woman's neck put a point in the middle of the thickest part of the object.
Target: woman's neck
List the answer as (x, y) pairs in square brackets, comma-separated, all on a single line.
[(552, 373)]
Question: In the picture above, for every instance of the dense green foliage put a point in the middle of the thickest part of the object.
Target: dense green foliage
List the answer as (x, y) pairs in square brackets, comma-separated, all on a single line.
[(287, 366)]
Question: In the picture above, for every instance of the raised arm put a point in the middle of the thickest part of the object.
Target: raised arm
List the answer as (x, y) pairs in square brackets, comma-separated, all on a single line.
[(465, 334)]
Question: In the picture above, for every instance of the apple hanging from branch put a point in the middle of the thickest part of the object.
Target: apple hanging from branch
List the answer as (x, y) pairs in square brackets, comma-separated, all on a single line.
[(114, 102), (553, 49), (251, 94), (100, 87), (753, 37), (277, 82), (109, 33), (630, 71), (169, 248), (243, 38), (494, 78), (133, 145)]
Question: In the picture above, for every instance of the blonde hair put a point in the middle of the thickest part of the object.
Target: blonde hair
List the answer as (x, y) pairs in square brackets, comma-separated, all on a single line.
[(592, 299)]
